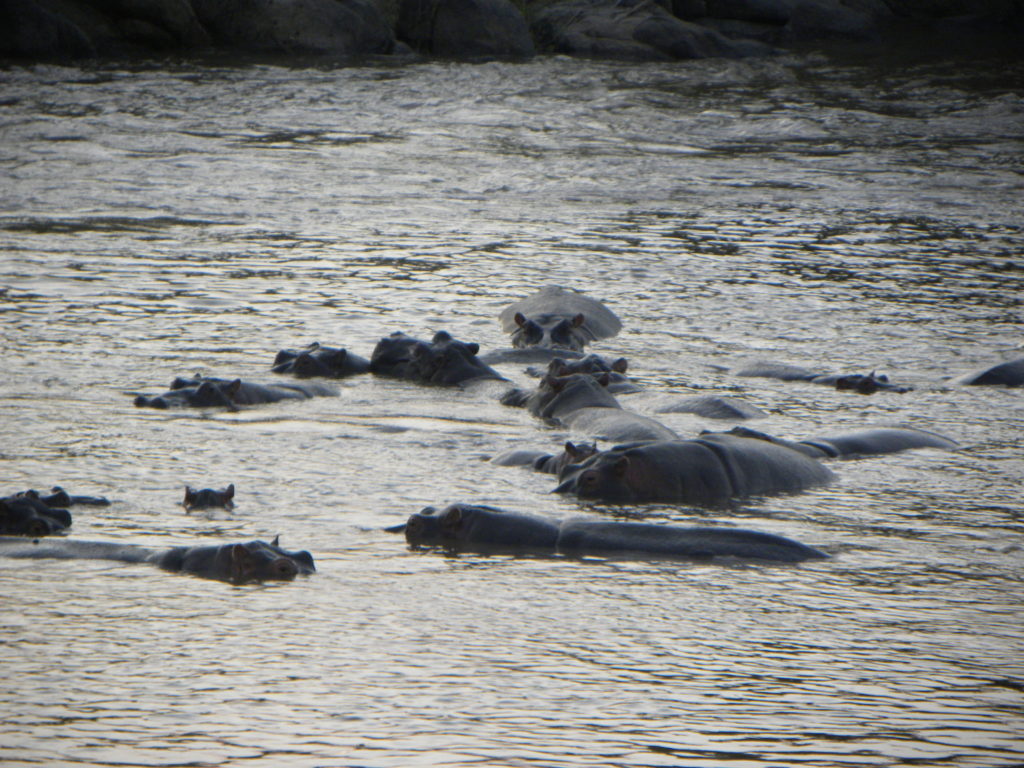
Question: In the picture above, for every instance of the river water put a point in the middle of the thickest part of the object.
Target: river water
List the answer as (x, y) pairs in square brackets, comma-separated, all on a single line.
[(842, 216)]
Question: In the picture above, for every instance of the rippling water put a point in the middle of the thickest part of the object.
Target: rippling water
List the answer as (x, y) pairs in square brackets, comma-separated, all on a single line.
[(158, 222)]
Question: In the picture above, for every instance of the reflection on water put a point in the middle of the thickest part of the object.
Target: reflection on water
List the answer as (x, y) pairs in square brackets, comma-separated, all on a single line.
[(195, 220)]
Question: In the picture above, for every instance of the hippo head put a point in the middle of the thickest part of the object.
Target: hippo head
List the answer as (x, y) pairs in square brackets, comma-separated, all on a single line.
[(30, 517), (590, 364), (572, 455), (207, 497), (604, 476), (550, 331), (430, 528), (259, 561), (214, 394), (307, 363), (447, 361)]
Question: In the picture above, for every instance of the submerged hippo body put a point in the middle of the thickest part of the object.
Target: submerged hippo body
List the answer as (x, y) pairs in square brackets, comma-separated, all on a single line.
[(236, 563), (212, 392), (555, 317), (443, 360), (870, 442), (1008, 374), (317, 360), (582, 403), (205, 498), (713, 407), (28, 515), (463, 527), (707, 472), (865, 384)]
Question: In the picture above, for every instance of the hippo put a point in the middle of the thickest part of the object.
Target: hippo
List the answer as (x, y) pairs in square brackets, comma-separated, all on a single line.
[(212, 392), (208, 497), (582, 403), (464, 527), (869, 442), (709, 471), (548, 463), (713, 407), (28, 515), (614, 371), (555, 317), (1009, 374), (235, 563), (317, 360), (58, 497), (865, 384), (443, 360)]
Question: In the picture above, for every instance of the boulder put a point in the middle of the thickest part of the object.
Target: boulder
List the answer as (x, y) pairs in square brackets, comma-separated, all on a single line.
[(634, 30), (464, 28), (325, 27), (78, 28)]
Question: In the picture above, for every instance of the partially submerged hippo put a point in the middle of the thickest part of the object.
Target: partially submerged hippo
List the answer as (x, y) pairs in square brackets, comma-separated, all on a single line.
[(549, 463), (463, 527), (28, 515), (206, 498), (865, 384), (1008, 374), (58, 497), (713, 407), (709, 471), (555, 317), (582, 403), (869, 442), (443, 360), (317, 360), (236, 563), (613, 371), (212, 392)]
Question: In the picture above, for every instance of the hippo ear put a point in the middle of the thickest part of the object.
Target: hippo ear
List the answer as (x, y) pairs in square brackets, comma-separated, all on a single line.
[(440, 337), (232, 389), (578, 320), (276, 539), (229, 492), (620, 365), (190, 494), (621, 467), (520, 319), (313, 346), (473, 347), (604, 379)]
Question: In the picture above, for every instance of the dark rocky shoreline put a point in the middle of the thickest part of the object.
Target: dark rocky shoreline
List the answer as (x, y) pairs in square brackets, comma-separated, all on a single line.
[(630, 30)]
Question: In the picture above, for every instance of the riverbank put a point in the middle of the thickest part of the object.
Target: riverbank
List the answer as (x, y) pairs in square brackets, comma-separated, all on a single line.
[(625, 30)]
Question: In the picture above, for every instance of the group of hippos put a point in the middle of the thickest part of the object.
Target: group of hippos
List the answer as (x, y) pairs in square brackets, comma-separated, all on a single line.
[(648, 461)]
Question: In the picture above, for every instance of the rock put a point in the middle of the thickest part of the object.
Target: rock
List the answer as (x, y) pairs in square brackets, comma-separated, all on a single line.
[(814, 20), (30, 31), (465, 28), (764, 11), (334, 27), (631, 30), (78, 28)]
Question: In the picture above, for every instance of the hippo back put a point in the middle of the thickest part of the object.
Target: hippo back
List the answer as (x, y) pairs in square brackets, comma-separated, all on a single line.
[(1010, 374), (583, 537), (758, 467)]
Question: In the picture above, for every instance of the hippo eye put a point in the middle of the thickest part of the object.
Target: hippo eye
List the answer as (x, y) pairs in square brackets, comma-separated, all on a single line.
[(284, 569)]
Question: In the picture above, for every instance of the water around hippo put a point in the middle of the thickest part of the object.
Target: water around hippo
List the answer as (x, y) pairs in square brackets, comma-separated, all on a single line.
[(171, 221)]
